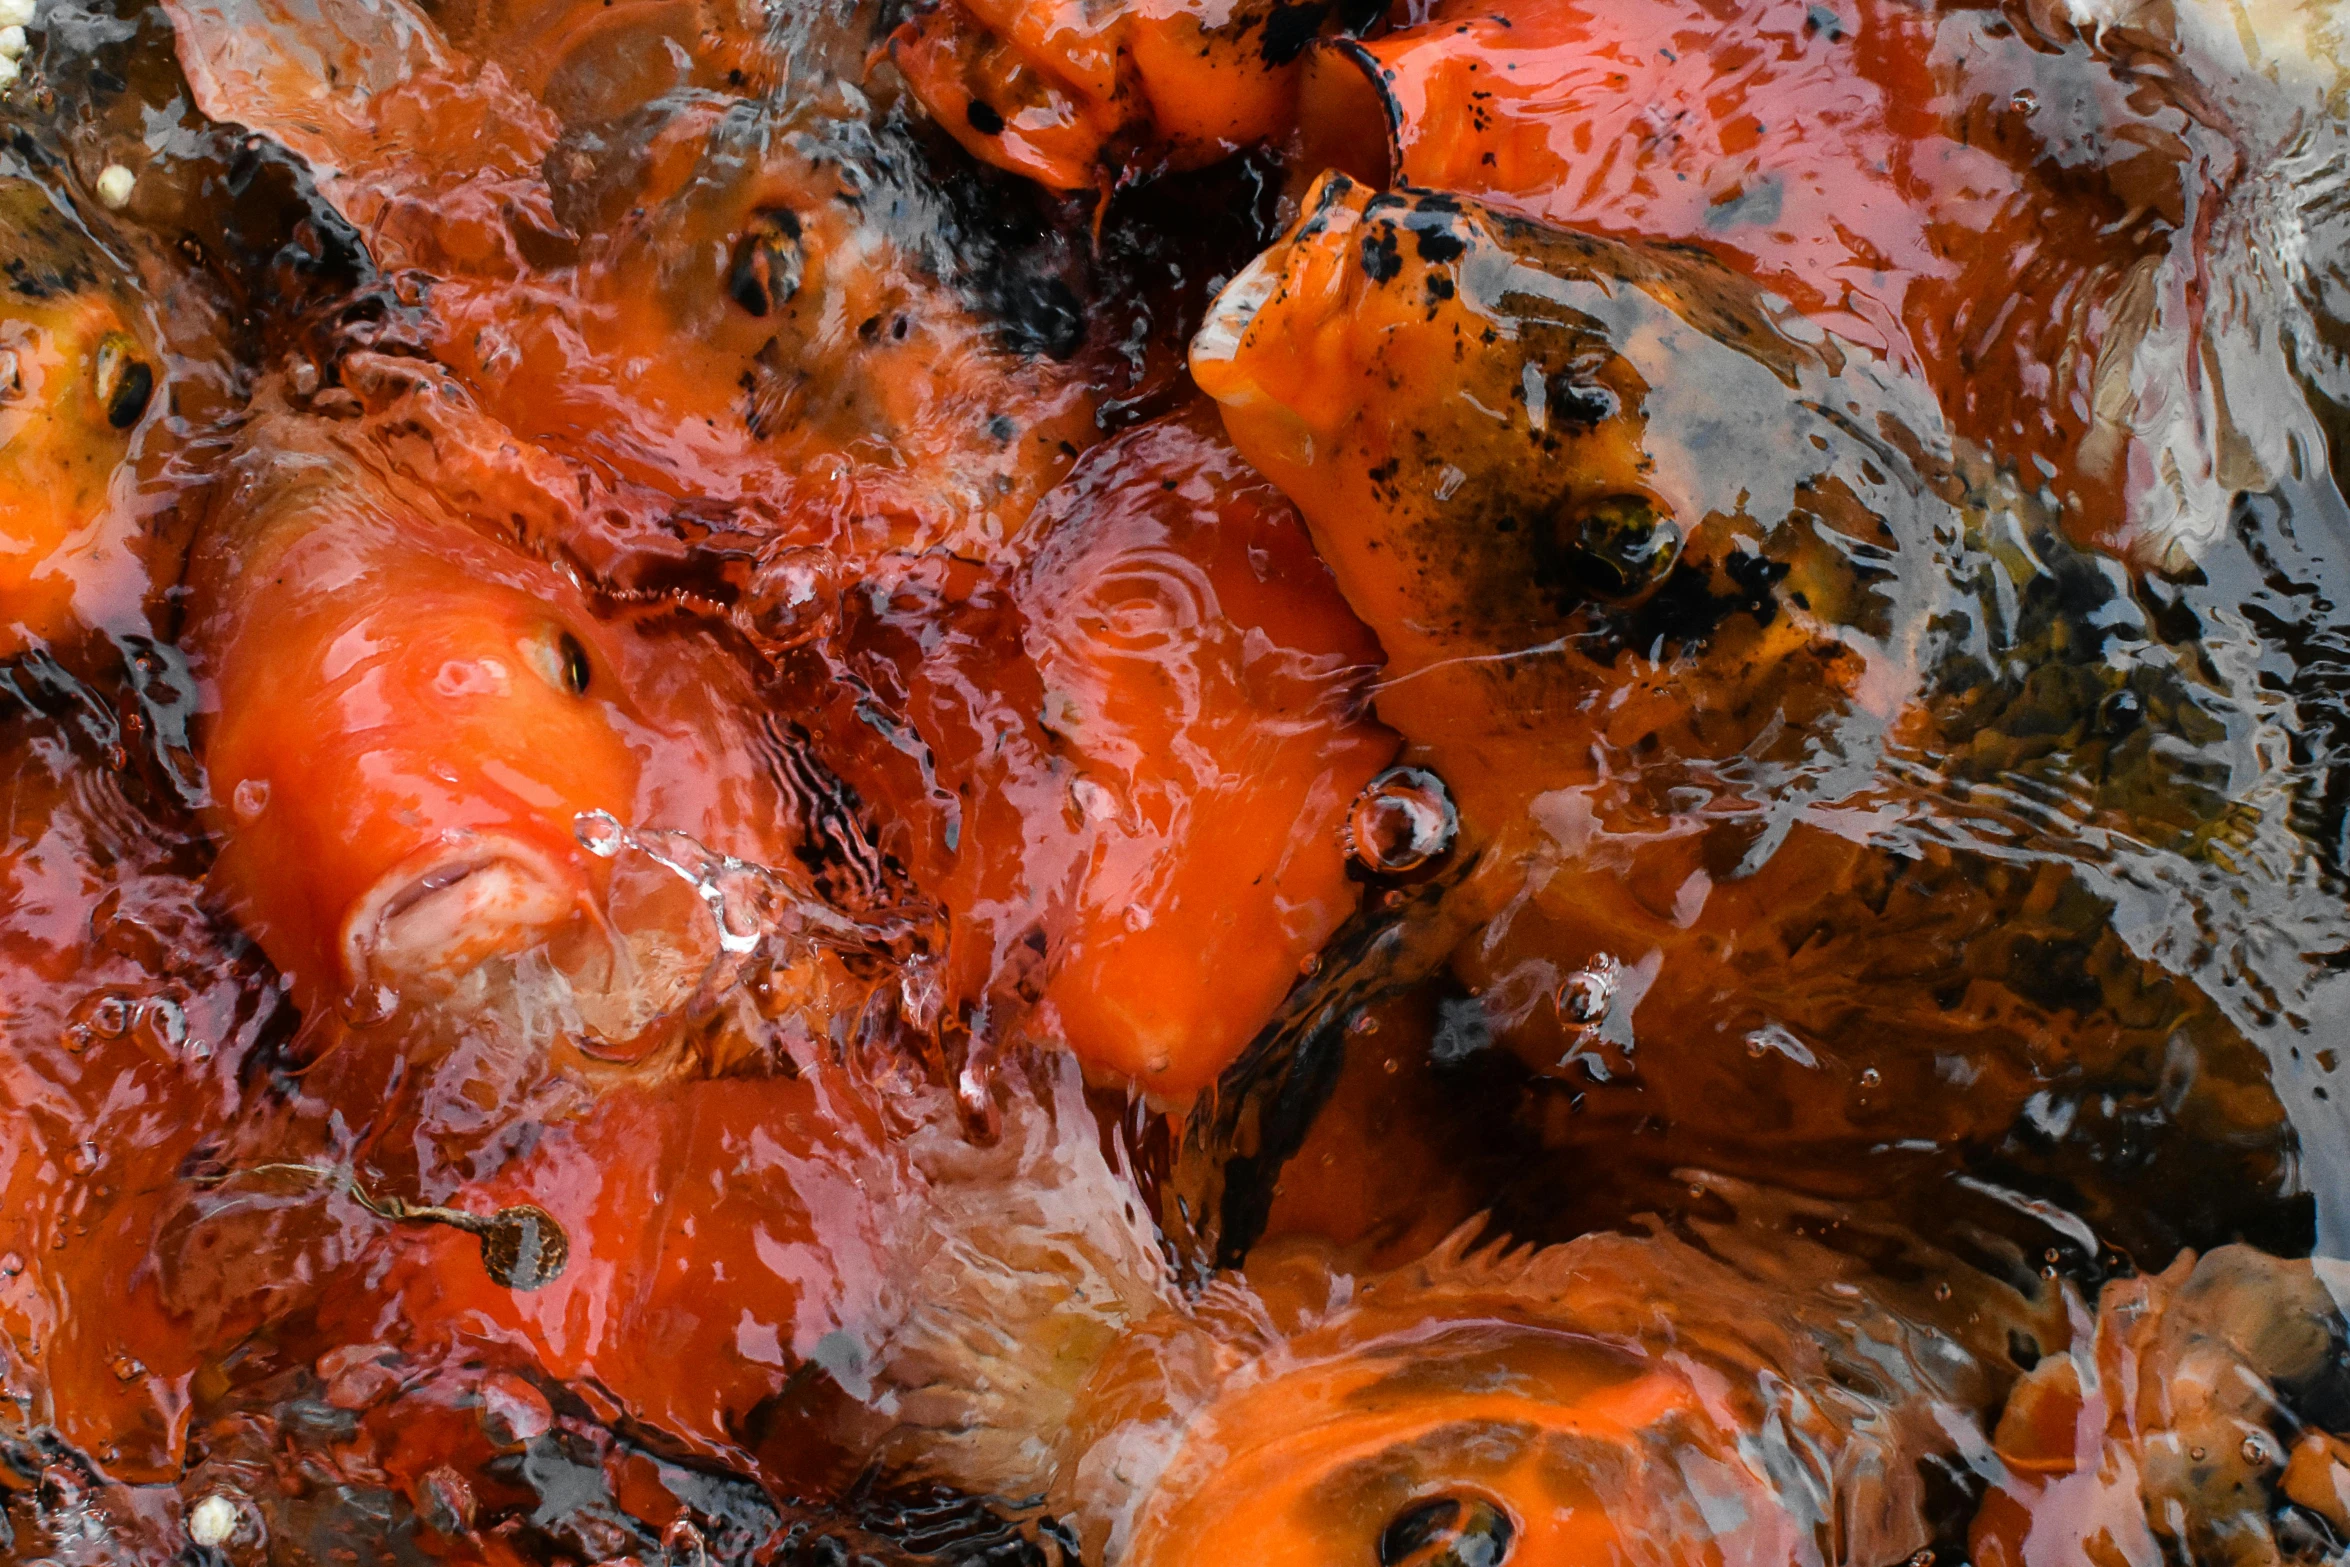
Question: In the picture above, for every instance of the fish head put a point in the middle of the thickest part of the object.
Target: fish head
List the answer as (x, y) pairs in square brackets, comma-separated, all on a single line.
[(1455, 1443), (1589, 495), (1402, 371), (409, 718), (76, 382), (1629, 1398)]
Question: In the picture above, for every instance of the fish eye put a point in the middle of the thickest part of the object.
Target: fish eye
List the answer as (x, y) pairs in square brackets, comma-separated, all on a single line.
[(1448, 1531), (1620, 546), (1572, 398), (764, 271), (124, 381), (575, 664), (561, 661)]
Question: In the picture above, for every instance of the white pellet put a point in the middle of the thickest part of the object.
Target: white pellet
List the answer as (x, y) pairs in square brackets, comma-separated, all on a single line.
[(114, 186), (17, 13), (212, 1520), (13, 41), (8, 71)]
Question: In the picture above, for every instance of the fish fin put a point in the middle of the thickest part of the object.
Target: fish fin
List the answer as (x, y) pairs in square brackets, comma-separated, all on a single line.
[(1041, 1255)]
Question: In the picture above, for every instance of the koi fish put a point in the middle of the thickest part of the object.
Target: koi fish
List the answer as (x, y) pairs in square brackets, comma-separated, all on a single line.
[(1077, 96), (766, 306), (1730, 1390), (1667, 593), (128, 1012), (2059, 221), (1552, 472), (1158, 701), (77, 382), (409, 720)]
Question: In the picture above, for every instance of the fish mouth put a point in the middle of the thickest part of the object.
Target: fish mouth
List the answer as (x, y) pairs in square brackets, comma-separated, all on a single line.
[(1217, 343), (1221, 353), (446, 910)]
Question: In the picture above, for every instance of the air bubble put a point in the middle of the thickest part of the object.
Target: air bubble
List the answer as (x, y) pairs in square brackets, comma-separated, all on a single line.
[(1403, 819), (600, 833), (1585, 995), (103, 1014), (127, 1369), (793, 599), (1870, 1077)]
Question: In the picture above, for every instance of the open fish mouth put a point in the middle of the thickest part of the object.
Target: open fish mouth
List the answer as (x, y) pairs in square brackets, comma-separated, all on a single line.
[(448, 909)]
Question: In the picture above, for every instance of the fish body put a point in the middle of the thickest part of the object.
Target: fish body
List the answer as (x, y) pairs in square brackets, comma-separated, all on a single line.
[(1688, 605), (1558, 476), (128, 1012), (761, 303), (1159, 696), (408, 720), (77, 383), (1530, 1408), (2043, 217), (1078, 97)]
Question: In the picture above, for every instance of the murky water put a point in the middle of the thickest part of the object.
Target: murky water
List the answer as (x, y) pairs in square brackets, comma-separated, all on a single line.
[(1518, 782)]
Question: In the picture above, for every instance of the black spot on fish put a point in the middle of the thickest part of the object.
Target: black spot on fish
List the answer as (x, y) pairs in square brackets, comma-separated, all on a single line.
[(983, 118), (1382, 259)]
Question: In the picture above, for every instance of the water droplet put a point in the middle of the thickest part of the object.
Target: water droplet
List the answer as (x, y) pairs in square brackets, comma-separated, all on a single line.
[(1364, 1024), (1942, 1290), (2024, 101), (1310, 964), (11, 1265), (249, 798), (1403, 819), (1870, 1077), (1921, 1558), (127, 1369), (2197, 1454), (2255, 1451), (103, 1014), (1585, 995), (600, 833), (793, 599)]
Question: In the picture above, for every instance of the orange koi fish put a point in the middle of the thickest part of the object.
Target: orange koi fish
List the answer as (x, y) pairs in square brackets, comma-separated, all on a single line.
[(758, 305), (128, 1013), (1077, 96), (409, 718), (1161, 704), (77, 383), (2055, 216), (1666, 594), (1734, 1391), (1549, 471)]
